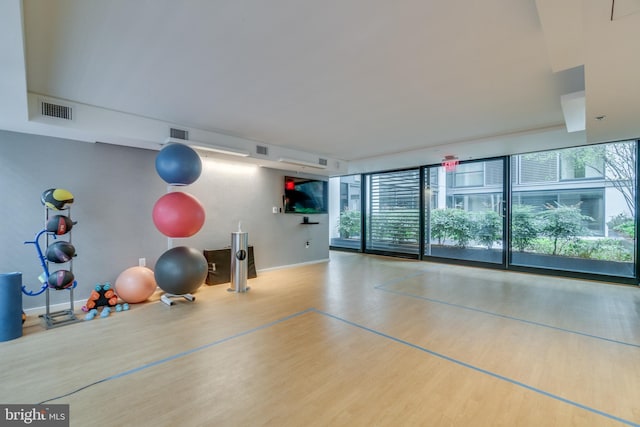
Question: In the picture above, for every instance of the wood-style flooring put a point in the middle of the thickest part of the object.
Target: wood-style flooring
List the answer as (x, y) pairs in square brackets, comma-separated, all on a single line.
[(358, 341)]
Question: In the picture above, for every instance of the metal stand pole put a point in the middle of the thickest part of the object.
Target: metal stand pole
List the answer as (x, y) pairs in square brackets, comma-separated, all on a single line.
[(239, 261)]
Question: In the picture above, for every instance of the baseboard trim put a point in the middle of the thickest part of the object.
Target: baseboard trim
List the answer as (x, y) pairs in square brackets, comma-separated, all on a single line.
[(301, 264), (33, 311)]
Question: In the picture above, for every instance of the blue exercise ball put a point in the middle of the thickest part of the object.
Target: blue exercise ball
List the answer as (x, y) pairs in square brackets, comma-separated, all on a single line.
[(181, 270), (178, 164)]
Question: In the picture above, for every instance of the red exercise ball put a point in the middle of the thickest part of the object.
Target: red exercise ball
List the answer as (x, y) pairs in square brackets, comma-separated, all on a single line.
[(135, 284), (178, 214)]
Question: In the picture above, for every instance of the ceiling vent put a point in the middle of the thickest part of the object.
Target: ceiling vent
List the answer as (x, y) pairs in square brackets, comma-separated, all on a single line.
[(261, 149), (301, 163), (56, 111), (322, 162), (178, 134)]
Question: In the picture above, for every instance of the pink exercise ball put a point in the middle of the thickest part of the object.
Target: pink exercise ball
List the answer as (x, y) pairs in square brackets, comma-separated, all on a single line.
[(135, 284), (178, 214)]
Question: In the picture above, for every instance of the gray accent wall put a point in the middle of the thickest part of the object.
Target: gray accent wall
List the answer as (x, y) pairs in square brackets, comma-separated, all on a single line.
[(115, 189)]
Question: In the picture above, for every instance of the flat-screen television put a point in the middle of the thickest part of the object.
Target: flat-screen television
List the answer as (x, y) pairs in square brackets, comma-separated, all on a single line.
[(305, 195)]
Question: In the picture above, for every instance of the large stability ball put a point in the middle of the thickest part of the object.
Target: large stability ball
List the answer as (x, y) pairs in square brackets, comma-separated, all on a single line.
[(181, 270), (178, 214), (178, 164), (135, 284)]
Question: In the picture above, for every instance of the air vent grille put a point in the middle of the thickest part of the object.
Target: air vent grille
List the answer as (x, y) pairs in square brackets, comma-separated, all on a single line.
[(55, 110), (322, 162), (179, 134), (261, 149)]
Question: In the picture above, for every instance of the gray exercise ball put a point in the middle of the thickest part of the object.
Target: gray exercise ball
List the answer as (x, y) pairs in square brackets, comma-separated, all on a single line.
[(181, 270)]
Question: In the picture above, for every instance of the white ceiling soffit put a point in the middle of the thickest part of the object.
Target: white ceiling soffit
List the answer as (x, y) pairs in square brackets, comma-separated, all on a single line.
[(612, 61), (562, 24), (481, 148), (573, 108), (602, 35)]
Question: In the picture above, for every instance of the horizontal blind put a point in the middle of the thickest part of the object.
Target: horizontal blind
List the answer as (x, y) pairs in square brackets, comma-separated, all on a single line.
[(393, 220), (539, 167), (493, 172)]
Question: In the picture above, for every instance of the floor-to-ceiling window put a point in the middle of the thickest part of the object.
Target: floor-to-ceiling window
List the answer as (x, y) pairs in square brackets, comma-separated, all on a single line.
[(569, 211), (574, 209), (393, 212), (345, 215), (464, 211)]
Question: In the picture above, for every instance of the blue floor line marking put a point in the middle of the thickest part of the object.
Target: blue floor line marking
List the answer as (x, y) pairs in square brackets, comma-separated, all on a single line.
[(477, 369), (209, 345), (403, 278), (505, 316), (182, 354)]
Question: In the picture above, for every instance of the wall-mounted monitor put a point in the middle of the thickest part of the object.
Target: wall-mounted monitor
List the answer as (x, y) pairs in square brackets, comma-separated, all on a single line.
[(305, 195)]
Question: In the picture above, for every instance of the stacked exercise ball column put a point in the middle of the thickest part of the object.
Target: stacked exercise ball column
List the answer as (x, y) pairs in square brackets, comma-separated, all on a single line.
[(60, 252), (180, 270)]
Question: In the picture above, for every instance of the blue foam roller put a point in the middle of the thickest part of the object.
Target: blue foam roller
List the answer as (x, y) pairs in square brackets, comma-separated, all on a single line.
[(10, 306)]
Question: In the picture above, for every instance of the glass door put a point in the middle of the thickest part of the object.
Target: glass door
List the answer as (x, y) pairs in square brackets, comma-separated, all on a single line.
[(465, 212), (345, 217)]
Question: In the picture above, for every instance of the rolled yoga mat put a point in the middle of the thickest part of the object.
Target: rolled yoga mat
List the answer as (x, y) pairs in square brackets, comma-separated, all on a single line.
[(10, 306)]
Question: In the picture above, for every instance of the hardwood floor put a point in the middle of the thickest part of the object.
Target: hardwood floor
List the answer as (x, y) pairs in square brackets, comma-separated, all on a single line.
[(358, 341)]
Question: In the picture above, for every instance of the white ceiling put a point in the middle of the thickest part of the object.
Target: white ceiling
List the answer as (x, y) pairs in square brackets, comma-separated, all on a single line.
[(351, 80)]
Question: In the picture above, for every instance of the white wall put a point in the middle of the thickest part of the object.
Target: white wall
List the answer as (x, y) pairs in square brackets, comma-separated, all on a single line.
[(115, 189), (234, 192)]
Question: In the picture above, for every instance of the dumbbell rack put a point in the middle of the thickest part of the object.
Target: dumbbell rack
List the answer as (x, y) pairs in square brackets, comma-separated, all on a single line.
[(66, 316)]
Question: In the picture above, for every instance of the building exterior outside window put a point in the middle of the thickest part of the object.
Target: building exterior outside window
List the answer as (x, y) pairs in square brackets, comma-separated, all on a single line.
[(569, 204), (344, 212)]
